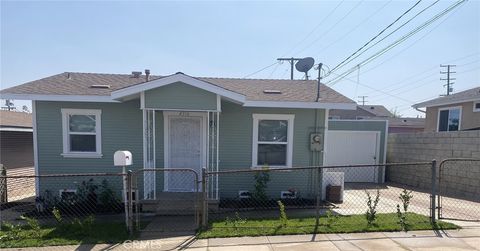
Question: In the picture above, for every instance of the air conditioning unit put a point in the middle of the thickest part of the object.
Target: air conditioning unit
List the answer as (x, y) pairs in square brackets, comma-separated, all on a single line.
[(244, 194), (288, 194)]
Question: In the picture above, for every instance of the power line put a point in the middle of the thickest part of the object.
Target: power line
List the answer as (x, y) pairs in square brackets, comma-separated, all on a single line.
[(448, 73), (264, 68), (398, 41), (331, 27), (381, 32), (356, 27), (314, 29), (389, 34), (363, 99)]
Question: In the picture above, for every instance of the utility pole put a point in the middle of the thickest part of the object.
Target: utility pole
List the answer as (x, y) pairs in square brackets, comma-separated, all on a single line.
[(9, 106), (292, 62), (448, 79), (363, 99)]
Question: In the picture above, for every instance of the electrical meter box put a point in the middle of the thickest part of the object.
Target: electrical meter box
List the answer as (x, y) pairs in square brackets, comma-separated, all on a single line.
[(122, 158), (316, 142)]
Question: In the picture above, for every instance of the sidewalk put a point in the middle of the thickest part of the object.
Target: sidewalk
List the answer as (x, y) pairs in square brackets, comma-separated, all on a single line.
[(467, 238)]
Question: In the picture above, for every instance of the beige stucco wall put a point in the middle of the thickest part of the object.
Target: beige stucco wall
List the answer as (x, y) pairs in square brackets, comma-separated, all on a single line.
[(469, 118)]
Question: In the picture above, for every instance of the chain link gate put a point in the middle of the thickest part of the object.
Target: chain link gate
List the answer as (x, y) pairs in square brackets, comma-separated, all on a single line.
[(459, 189), (165, 201)]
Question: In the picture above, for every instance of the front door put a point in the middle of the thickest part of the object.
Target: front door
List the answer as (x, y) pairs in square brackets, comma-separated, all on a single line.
[(184, 148)]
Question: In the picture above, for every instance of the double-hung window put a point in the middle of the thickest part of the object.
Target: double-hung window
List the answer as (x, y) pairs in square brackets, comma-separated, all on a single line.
[(82, 133), (272, 140), (449, 119), (476, 106)]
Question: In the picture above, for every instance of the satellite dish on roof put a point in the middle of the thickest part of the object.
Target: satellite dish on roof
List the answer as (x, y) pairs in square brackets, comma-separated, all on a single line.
[(304, 65)]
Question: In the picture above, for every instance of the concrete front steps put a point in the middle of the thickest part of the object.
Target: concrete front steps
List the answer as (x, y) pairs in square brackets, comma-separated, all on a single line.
[(172, 203)]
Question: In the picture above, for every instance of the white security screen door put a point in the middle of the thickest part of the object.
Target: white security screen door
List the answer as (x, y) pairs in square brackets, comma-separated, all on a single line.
[(353, 148), (185, 147)]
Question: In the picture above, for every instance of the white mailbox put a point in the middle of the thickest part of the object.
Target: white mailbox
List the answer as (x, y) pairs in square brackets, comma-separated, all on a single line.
[(122, 158)]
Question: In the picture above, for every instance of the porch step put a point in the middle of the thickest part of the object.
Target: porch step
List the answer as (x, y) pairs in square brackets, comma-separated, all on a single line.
[(171, 203)]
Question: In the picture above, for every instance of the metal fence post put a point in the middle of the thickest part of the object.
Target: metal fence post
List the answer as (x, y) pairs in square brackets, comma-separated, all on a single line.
[(130, 201), (434, 191), (317, 195), (204, 199), (3, 185)]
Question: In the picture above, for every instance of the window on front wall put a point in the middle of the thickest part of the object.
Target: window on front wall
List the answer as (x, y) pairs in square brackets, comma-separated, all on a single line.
[(476, 106), (272, 140), (449, 119), (81, 133)]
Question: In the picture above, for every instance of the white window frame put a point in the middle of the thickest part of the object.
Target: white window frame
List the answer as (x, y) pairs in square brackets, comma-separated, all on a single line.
[(474, 104), (450, 108), (290, 120), (334, 117), (66, 133)]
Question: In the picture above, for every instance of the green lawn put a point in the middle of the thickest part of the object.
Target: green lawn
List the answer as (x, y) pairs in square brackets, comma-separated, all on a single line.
[(69, 234), (342, 224)]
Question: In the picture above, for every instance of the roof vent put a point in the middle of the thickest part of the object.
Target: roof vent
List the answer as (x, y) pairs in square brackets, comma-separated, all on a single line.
[(100, 86), (372, 107), (272, 92), (136, 74)]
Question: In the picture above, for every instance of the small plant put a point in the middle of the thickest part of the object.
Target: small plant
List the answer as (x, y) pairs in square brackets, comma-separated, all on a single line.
[(107, 197), (331, 217), (84, 225), (57, 215), (261, 180), (405, 197), (283, 214), (33, 224), (11, 231), (371, 213), (235, 222)]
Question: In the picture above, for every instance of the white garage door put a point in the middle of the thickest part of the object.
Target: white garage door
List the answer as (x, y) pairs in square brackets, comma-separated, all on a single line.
[(353, 148)]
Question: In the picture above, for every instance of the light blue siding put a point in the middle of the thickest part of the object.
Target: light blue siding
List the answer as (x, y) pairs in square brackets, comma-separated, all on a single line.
[(180, 96)]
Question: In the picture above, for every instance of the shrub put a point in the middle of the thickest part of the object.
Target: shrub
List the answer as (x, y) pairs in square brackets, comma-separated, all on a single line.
[(11, 231), (33, 224), (331, 217), (261, 180), (371, 213), (57, 215), (283, 214), (405, 197)]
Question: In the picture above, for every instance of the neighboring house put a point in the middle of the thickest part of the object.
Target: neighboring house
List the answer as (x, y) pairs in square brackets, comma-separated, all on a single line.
[(455, 112), (379, 112), (16, 140), (179, 121)]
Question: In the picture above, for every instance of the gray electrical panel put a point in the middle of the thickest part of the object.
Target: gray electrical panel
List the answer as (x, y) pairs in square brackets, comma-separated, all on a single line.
[(316, 142)]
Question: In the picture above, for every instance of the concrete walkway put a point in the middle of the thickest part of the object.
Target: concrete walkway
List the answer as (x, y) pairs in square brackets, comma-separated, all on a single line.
[(467, 238)]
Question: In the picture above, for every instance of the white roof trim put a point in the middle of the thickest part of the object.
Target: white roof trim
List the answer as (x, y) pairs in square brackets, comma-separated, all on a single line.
[(294, 104), (450, 102), (15, 129), (179, 77), (50, 97)]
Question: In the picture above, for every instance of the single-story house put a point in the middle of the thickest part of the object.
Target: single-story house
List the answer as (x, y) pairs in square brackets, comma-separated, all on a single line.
[(16, 140), (455, 112), (179, 121)]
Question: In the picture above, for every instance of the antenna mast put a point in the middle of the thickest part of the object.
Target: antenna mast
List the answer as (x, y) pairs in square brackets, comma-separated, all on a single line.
[(292, 62)]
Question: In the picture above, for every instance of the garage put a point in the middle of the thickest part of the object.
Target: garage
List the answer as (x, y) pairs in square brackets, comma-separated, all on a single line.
[(356, 143)]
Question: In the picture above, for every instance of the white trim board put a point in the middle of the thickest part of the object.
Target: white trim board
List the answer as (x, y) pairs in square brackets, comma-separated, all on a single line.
[(35, 148), (15, 129), (307, 105), (53, 97), (452, 102)]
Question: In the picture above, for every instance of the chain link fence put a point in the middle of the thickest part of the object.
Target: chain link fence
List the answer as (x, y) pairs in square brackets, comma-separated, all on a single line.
[(315, 199), (459, 189)]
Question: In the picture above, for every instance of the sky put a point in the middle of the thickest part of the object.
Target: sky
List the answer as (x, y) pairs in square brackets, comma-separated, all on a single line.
[(237, 39)]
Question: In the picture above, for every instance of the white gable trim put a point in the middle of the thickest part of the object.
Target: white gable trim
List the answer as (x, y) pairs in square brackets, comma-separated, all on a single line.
[(179, 77)]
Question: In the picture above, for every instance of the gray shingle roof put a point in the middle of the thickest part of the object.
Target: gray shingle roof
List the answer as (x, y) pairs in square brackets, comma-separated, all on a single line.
[(459, 97), (15, 119), (378, 110), (80, 84)]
